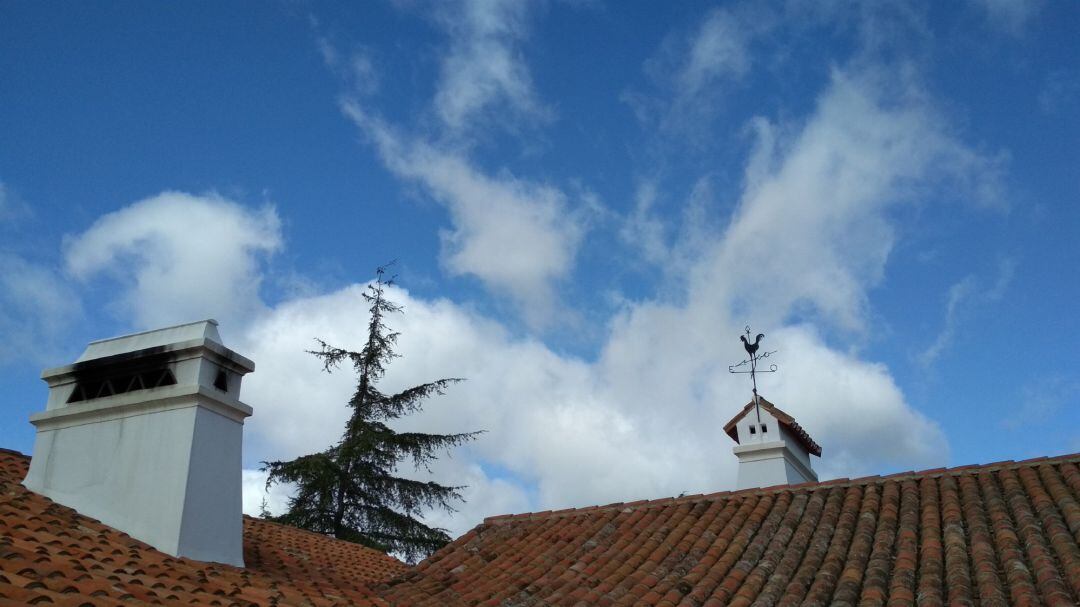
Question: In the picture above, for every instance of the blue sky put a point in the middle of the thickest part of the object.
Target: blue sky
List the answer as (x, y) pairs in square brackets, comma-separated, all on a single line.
[(587, 201)]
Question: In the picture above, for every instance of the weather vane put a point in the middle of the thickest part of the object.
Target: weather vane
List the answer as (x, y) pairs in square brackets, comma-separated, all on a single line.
[(752, 351)]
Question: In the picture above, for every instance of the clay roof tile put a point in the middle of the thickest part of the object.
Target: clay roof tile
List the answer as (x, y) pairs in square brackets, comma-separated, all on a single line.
[(1002, 533), (49, 554), (1005, 533)]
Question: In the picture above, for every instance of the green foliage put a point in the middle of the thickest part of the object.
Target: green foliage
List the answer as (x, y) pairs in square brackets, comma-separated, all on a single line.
[(349, 491)]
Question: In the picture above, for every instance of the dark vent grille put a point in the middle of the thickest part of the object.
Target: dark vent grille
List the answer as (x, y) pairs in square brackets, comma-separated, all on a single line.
[(89, 389)]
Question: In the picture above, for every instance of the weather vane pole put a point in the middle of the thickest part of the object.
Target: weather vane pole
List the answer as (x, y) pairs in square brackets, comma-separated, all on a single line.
[(752, 351)]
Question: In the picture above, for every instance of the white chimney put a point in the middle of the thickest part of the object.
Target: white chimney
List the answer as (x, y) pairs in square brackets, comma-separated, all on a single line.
[(773, 449), (144, 433)]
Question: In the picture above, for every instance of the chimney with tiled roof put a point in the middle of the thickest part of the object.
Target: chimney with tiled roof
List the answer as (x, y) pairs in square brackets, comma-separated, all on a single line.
[(144, 433), (773, 449)]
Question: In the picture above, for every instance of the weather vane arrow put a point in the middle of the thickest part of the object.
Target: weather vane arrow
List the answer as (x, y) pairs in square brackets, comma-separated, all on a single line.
[(752, 351)]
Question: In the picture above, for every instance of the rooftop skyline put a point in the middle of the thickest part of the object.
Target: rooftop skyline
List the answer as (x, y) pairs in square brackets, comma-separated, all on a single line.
[(587, 202)]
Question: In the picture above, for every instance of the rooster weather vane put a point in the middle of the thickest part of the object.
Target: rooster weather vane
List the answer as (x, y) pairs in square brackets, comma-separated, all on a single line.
[(752, 350)]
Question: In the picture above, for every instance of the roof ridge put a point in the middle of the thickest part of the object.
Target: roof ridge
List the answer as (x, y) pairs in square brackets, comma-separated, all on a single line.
[(645, 503), (319, 535)]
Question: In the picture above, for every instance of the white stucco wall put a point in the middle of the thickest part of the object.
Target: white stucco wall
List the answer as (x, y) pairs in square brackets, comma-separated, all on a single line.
[(167, 473), (105, 471), (769, 455), (750, 430), (212, 523)]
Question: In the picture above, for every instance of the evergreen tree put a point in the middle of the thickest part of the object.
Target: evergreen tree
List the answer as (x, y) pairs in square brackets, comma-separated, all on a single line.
[(349, 491)]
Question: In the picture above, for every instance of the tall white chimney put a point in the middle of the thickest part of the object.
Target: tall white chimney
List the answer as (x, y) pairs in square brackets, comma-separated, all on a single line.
[(773, 449), (144, 433)]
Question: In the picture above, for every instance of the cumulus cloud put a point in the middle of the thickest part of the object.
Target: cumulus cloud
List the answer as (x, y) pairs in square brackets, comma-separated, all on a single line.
[(179, 257), (484, 67), (518, 237), (300, 409), (645, 420), (550, 427), (257, 498)]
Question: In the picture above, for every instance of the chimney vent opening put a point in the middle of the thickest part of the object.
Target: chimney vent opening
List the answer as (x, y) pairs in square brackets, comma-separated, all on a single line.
[(100, 387)]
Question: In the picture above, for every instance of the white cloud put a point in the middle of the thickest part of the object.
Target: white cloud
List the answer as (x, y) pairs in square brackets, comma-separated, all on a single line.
[(643, 230), (719, 49), (517, 236), (256, 497), (1059, 92), (812, 228), (484, 65), (1046, 398), (1010, 16), (964, 294), (851, 406), (673, 247), (693, 69), (179, 257), (959, 292), (356, 69), (12, 208), (37, 306)]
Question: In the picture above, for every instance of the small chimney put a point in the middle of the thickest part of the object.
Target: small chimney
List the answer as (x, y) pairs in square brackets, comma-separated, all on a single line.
[(773, 449), (144, 433)]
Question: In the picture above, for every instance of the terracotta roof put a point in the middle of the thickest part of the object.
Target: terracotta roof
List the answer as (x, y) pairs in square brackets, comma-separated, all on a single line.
[(999, 534), (52, 555), (785, 420)]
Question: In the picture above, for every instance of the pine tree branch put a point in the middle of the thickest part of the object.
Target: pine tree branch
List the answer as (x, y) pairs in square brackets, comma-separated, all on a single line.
[(409, 400), (422, 448)]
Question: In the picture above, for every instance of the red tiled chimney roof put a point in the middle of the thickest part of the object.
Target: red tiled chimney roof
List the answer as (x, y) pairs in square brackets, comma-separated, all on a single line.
[(785, 420), (52, 555)]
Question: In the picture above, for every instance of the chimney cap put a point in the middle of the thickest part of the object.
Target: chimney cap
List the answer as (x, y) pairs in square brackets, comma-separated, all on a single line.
[(786, 420), (201, 329)]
